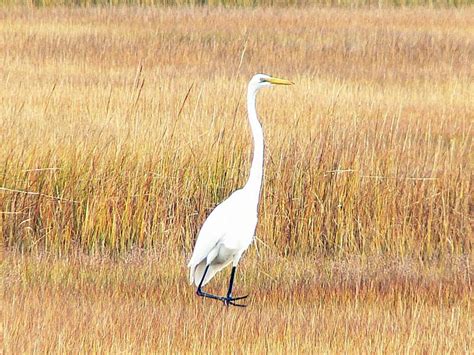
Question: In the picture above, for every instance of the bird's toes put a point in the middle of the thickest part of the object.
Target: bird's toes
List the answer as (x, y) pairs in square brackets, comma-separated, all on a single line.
[(238, 298), (231, 301), (237, 304)]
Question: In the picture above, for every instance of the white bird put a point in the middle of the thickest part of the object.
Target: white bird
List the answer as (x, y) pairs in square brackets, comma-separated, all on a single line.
[(229, 229)]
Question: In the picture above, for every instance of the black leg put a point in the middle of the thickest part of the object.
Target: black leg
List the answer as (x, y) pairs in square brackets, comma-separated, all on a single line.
[(201, 293), (231, 282), (229, 300), (203, 277)]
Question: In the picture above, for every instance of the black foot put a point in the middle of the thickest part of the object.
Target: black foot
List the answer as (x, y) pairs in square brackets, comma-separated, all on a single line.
[(208, 295), (227, 300), (231, 301)]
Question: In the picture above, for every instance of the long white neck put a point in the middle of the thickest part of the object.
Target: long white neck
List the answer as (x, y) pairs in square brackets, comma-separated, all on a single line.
[(254, 182)]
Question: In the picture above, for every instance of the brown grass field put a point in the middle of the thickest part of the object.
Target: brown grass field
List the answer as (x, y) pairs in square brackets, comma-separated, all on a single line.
[(121, 128)]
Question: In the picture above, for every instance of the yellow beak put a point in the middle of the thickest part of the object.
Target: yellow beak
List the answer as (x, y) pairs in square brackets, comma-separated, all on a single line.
[(278, 81)]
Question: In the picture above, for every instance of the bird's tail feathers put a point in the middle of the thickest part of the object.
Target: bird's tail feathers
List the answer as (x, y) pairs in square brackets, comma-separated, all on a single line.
[(191, 273)]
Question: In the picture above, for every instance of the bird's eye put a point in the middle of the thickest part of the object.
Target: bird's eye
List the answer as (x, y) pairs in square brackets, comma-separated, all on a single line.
[(262, 80)]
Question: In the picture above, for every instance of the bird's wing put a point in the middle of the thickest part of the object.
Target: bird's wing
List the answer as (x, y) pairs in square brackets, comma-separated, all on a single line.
[(212, 231)]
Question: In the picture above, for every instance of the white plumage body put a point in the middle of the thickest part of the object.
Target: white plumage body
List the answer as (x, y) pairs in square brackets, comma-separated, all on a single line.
[(225, 235)]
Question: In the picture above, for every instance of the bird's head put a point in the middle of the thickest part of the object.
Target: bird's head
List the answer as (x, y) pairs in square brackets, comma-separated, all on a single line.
[(263, 80)]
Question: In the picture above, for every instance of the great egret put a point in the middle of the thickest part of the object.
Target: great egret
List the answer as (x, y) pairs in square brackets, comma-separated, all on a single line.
[(230, 228)]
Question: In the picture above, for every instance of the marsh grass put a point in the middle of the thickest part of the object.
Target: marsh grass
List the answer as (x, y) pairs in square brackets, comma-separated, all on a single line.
[(121, 128), (243, 3), (137, 303)]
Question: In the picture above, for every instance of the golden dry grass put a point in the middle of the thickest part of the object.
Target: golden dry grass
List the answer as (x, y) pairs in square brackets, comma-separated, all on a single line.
[(141, 304), (241, 3), (121, 128)]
